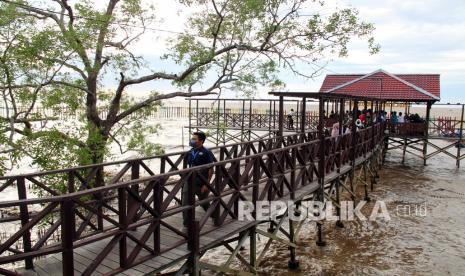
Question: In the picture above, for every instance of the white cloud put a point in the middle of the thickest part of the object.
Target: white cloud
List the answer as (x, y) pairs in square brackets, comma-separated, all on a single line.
[(416, 37)]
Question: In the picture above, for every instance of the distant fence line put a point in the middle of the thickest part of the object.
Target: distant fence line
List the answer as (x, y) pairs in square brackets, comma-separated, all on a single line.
[(64, 113)]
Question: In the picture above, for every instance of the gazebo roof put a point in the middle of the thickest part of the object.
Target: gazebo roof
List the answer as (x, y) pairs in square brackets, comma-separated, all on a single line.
[(384, 85)]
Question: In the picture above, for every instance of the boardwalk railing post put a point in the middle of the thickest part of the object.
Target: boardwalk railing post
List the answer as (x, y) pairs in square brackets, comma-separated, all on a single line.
[(321, 166), (135, 174), (338, 206), (122, 199), (255, 191), (193, 230), (353, 147), (218, 180), (71, 190), (460, 142), (67, 222), (425, 141), (157, 202), (293, 263), (24, 213)]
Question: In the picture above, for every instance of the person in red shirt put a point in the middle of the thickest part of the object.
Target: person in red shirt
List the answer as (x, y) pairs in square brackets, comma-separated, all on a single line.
[(362, 117)]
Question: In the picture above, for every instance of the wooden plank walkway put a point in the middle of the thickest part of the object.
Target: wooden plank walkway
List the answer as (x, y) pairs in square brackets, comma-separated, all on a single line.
[(211, 236), (83, 256)]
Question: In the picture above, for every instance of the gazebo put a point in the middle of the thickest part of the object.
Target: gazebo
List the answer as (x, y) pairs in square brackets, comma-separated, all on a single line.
[(393, 88)]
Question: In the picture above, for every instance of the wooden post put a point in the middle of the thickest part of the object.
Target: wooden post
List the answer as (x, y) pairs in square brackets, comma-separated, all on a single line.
[(157, 203), (293, 263), (341, 115), (250, 120), (425, 142), (218, 123), (122, 208), (197, 112), (24, 214), (67, 215), (321, 165), (354, 145), (269, 120), (255, 191), (132, 202), (460, 143), (303, 115), (243, 120), (297, 117), (190, 119), (193, 231), (71, 190), (338, 206), (281, 116), (225, 122)]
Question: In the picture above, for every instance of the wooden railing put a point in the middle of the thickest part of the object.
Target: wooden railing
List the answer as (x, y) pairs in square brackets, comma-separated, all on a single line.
[(247, 120), (87, 212)]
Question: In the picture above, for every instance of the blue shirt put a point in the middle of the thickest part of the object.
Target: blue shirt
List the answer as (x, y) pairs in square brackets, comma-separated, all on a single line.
[(199, 157)]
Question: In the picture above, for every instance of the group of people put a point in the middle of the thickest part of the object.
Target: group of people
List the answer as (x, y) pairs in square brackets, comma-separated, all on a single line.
[(364, 118), (407, 118)]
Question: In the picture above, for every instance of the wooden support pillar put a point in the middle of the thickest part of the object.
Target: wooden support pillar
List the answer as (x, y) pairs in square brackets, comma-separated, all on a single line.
[(190, 120), (242, 120), (425, 142), (122, 208), (338, 200), (297, 117), (197, 111), (281, 116), (460, 143), (250, 120), (321, 166), (271, 114), (24, 215), (303, 115), (67, 214), (255, 192), (353, 148), (218, 123), (341, 116), (193, 231), (225, 122), (293, 263)]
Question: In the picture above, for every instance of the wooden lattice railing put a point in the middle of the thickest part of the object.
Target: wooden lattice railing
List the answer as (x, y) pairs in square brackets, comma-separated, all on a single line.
[(86, 211)]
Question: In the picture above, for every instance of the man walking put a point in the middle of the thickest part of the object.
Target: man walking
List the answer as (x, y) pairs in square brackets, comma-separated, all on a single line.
[(197, 156)]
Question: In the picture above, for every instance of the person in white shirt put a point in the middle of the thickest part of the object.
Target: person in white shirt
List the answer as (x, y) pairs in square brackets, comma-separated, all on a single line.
[(400, 118)]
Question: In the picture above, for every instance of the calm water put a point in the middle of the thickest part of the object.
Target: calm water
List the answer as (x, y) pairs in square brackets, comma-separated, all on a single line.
[(408, 244)]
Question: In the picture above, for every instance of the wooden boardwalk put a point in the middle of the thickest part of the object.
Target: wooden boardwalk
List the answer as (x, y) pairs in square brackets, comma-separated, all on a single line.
[(83, 256), (210, 237), (124, 218)]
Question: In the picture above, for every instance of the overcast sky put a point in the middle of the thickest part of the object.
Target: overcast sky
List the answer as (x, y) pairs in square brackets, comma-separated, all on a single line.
[(416, 36)]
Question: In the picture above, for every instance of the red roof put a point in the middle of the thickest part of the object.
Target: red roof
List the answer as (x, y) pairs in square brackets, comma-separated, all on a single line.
[(381, 84)]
